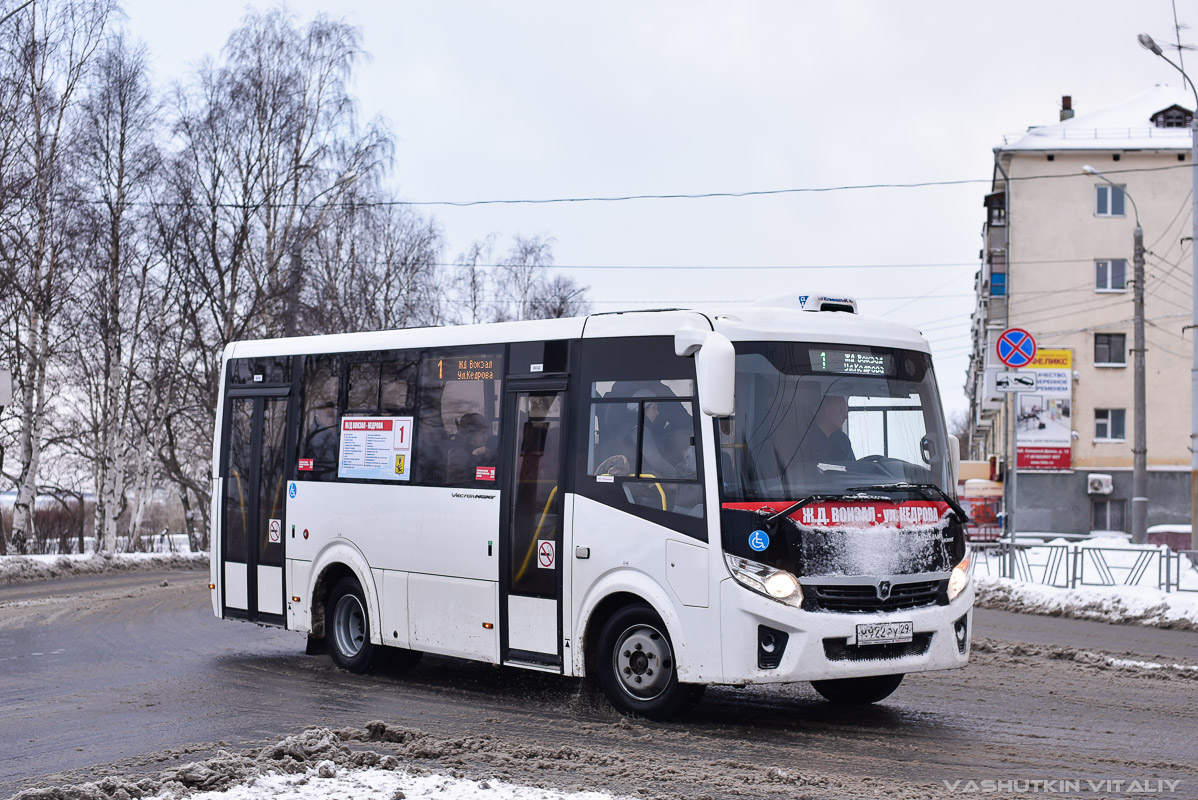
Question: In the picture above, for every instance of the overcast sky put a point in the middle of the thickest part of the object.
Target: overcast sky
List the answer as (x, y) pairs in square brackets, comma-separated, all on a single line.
[(532, 100)]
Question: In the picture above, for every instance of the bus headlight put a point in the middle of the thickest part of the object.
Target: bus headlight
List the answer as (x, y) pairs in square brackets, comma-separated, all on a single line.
[(774, 583), (959, 579)]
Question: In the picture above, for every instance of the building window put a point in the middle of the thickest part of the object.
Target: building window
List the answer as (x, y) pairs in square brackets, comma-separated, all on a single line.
[(1110, 349), (1110, 275), (1108, 515), (1172, 117), (1109, 424), (1110, 200)]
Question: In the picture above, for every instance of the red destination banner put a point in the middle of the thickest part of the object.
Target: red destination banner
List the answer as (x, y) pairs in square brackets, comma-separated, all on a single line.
[(366, 425), (913, 513)]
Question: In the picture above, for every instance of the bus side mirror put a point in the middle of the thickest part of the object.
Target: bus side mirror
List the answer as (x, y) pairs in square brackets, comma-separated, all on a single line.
[(715, 367), (954, 458)]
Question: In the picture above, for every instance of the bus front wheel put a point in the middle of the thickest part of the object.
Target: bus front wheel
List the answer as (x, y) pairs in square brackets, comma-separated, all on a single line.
[(348, 626), (858, 691), (636, 666)]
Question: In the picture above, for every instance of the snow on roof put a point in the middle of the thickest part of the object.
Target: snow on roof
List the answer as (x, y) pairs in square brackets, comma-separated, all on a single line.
[(1126, 126)]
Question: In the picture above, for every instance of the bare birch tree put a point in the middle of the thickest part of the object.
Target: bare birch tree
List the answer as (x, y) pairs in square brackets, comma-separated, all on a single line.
[(119, 165), (47, 50), (268, 145), (376, 268)]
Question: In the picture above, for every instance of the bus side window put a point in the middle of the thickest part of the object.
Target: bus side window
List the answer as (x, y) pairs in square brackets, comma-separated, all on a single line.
[(319, 440), (457, 423), (641, 434)]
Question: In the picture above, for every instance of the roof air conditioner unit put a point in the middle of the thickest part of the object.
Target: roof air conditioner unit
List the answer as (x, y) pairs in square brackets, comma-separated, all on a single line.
[(1097, 483), (824, 302)]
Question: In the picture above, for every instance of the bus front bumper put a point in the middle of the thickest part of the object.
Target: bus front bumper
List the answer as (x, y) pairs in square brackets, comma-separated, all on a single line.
[(768, 642)]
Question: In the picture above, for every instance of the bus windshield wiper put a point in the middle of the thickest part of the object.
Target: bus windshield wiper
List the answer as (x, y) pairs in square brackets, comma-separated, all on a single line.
[(861, 496), (928, 491)]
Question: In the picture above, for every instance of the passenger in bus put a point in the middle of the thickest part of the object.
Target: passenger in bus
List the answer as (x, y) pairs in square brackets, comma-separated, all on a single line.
[(825, 440), (469, 449)]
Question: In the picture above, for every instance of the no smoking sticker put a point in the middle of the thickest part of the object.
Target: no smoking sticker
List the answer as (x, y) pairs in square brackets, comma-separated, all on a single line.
[(276, 530), (546, 555)]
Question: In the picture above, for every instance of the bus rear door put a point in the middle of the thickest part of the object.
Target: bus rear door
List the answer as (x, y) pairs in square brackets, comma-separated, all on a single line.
[(254, 505), (531, 575)]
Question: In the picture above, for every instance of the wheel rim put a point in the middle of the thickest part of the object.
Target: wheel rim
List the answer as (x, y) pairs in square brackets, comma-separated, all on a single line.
[(349, 625), (643, 662)]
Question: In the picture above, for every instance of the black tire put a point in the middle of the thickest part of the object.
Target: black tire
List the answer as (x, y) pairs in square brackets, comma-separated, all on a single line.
[(636, 666), (347, 626), (858, 691)]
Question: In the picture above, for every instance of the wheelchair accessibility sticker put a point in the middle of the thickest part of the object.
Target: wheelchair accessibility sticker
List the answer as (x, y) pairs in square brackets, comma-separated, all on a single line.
[(759, 540)]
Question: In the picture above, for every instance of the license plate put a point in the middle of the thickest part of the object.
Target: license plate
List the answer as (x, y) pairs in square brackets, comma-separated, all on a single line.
[(885, 633)]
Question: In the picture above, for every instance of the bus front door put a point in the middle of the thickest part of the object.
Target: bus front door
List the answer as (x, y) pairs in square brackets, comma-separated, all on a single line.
[(254, 506), (531, 630)]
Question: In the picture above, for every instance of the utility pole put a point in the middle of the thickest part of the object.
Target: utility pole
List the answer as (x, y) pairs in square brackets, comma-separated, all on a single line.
[(1139, 481), (1139, 447)]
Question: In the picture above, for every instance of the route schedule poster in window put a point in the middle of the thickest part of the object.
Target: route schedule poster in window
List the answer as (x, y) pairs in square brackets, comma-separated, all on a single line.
[(378, 448)]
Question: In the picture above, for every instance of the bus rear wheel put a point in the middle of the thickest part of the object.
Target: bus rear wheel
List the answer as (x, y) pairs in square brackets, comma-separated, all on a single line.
[(636, 666), (348, 626), (858, 691)]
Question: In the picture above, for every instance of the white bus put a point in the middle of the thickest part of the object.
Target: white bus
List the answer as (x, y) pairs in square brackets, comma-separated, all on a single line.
[(660, 500)]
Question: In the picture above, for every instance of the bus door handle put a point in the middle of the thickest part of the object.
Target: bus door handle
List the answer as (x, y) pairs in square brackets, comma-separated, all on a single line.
[(582, 552)]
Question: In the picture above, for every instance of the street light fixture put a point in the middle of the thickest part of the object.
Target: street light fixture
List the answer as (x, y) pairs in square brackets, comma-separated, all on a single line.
[(1139, 450), (1148, 44)]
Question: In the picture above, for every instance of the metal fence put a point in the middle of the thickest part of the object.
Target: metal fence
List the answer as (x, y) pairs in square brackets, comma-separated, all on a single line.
[(1069, 566)]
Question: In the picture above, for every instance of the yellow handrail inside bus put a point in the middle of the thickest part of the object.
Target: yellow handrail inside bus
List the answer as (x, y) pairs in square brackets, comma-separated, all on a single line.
[(536, 536), (660, 490), (245, 523)]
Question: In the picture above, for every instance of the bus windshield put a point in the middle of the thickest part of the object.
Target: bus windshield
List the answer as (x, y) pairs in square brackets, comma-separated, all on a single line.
[(819, 419)]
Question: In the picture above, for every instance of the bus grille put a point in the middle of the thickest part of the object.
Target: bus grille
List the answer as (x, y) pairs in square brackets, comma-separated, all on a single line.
[(841, 650), (863, 597)]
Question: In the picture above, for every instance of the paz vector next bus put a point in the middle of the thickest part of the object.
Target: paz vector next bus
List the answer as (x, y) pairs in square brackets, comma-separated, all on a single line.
[(659, 500)]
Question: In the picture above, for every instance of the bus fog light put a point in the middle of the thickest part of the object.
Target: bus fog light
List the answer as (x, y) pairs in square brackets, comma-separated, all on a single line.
[(959, 579)]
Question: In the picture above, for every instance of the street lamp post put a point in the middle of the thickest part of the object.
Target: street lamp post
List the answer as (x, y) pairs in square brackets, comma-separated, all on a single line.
[(1139, 449), (1148, 44)]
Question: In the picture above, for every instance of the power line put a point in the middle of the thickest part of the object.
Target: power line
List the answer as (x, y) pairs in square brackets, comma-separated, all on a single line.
[(938, 265), (755, 300), (357, 203)]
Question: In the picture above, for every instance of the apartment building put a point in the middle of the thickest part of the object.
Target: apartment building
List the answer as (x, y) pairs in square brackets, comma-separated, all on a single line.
[(1057, 262)]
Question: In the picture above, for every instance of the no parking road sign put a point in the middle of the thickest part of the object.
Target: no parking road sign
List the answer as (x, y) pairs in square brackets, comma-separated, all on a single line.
[(1016, 348)]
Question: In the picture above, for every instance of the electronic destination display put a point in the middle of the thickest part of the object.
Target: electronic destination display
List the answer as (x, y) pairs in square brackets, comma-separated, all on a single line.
[(849, 362), (482, 367)]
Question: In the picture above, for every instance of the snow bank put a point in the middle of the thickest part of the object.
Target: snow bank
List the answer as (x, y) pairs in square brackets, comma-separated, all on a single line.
[(20, 569), (393, 762), (317, 763), (1141, 605), (325, 780)]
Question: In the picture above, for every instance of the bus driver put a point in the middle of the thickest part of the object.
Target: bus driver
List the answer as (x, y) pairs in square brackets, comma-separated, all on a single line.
[(826, 441)]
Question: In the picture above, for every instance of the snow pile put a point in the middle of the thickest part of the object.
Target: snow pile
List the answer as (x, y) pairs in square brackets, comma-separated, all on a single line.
[(20, 569), (325, 780), (1120, 604), (391, 762), (1090, 659)]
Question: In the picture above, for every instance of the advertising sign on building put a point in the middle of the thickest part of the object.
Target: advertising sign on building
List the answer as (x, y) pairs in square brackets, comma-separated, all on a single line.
[(1045, 422)]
